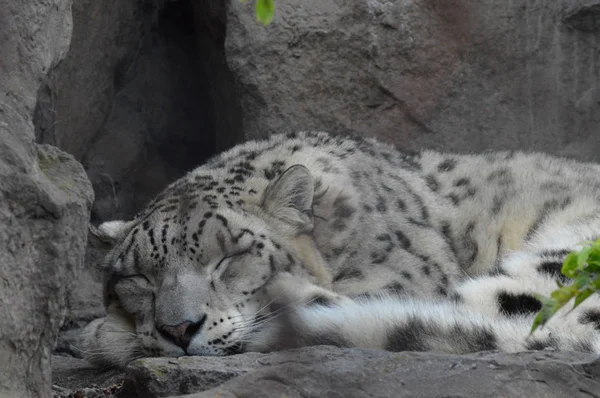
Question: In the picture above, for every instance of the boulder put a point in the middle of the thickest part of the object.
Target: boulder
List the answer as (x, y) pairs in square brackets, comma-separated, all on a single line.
[(45, 199), (44, 213), (76, 377), (453, 75), (150, 89), (333, 372)]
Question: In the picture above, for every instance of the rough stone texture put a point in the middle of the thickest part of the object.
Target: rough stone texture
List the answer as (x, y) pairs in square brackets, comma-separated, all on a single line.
[(43, 227), (333, 372), (455, 75), (584, 15), (139, 97), (163, 377), (76, 375), (44, 200)]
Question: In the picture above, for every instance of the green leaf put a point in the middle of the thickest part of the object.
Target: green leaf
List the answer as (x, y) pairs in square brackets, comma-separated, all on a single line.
[(548, 309), (582, 296), (582, 257), (569, 268), (594, 259), (583, 267), (595, 282), (538, 321), (563, 295), (265, 9), (583, 281)]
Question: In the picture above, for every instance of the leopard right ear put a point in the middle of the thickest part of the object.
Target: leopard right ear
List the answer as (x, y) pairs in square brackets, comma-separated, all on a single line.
[(109, 233), (290, 198)]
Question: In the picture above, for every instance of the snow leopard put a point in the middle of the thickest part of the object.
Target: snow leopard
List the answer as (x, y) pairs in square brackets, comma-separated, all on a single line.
[(318, 239)]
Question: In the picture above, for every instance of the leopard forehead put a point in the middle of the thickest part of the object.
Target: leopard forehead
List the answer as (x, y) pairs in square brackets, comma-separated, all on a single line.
[(170, 240)]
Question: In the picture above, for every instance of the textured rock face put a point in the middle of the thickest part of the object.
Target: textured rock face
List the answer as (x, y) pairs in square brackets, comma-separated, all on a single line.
[(333, 372), (135, 98), (44, 200), (454, 75), (76, 375), (43, 227)]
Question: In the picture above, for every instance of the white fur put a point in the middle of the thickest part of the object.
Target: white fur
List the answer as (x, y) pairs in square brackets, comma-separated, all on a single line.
[(433, 227)]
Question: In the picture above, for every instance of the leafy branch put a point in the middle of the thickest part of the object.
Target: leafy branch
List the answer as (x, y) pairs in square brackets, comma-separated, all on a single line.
[(583, 268)]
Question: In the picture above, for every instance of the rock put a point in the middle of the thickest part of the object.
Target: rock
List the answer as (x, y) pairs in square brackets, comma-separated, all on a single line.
[(329, 371), (453, 75), (44, 213), (140, 96), (70, 375), (45, 199), (85, 303), (584, 15), (162, 377)]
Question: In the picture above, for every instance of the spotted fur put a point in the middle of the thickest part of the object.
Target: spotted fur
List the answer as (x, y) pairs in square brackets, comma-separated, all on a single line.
[(317, 239)]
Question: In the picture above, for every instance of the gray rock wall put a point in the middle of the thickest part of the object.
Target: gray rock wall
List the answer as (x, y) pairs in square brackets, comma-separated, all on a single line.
[(44, 200), (140, 96), (455, 75)]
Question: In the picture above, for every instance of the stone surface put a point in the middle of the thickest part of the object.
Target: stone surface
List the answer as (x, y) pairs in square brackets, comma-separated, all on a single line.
[(584, 15), (455, 75), (72, 375), (140, 96), (43, 226), (162, 377), (45, 199), (333, 372)]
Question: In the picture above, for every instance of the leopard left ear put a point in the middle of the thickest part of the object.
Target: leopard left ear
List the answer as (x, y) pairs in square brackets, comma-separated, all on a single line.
[(290, 198)]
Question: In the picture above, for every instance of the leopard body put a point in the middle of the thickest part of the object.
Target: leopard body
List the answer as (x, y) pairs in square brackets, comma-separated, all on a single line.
[(311, 238)]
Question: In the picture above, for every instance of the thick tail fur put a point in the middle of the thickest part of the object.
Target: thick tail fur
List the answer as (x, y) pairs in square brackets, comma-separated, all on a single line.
[(407, 325)]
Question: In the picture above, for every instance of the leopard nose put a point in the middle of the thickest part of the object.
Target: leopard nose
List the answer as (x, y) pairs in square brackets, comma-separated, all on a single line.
[(183, 333)]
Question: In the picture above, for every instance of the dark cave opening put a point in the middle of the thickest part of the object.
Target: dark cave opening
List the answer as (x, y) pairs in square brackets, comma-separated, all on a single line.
[(144, 96), (199, 114), (198, 27), (186, 136)]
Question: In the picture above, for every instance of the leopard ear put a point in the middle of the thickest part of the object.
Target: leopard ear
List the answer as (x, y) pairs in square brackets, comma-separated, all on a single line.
[(107, 234), (290, 198)]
